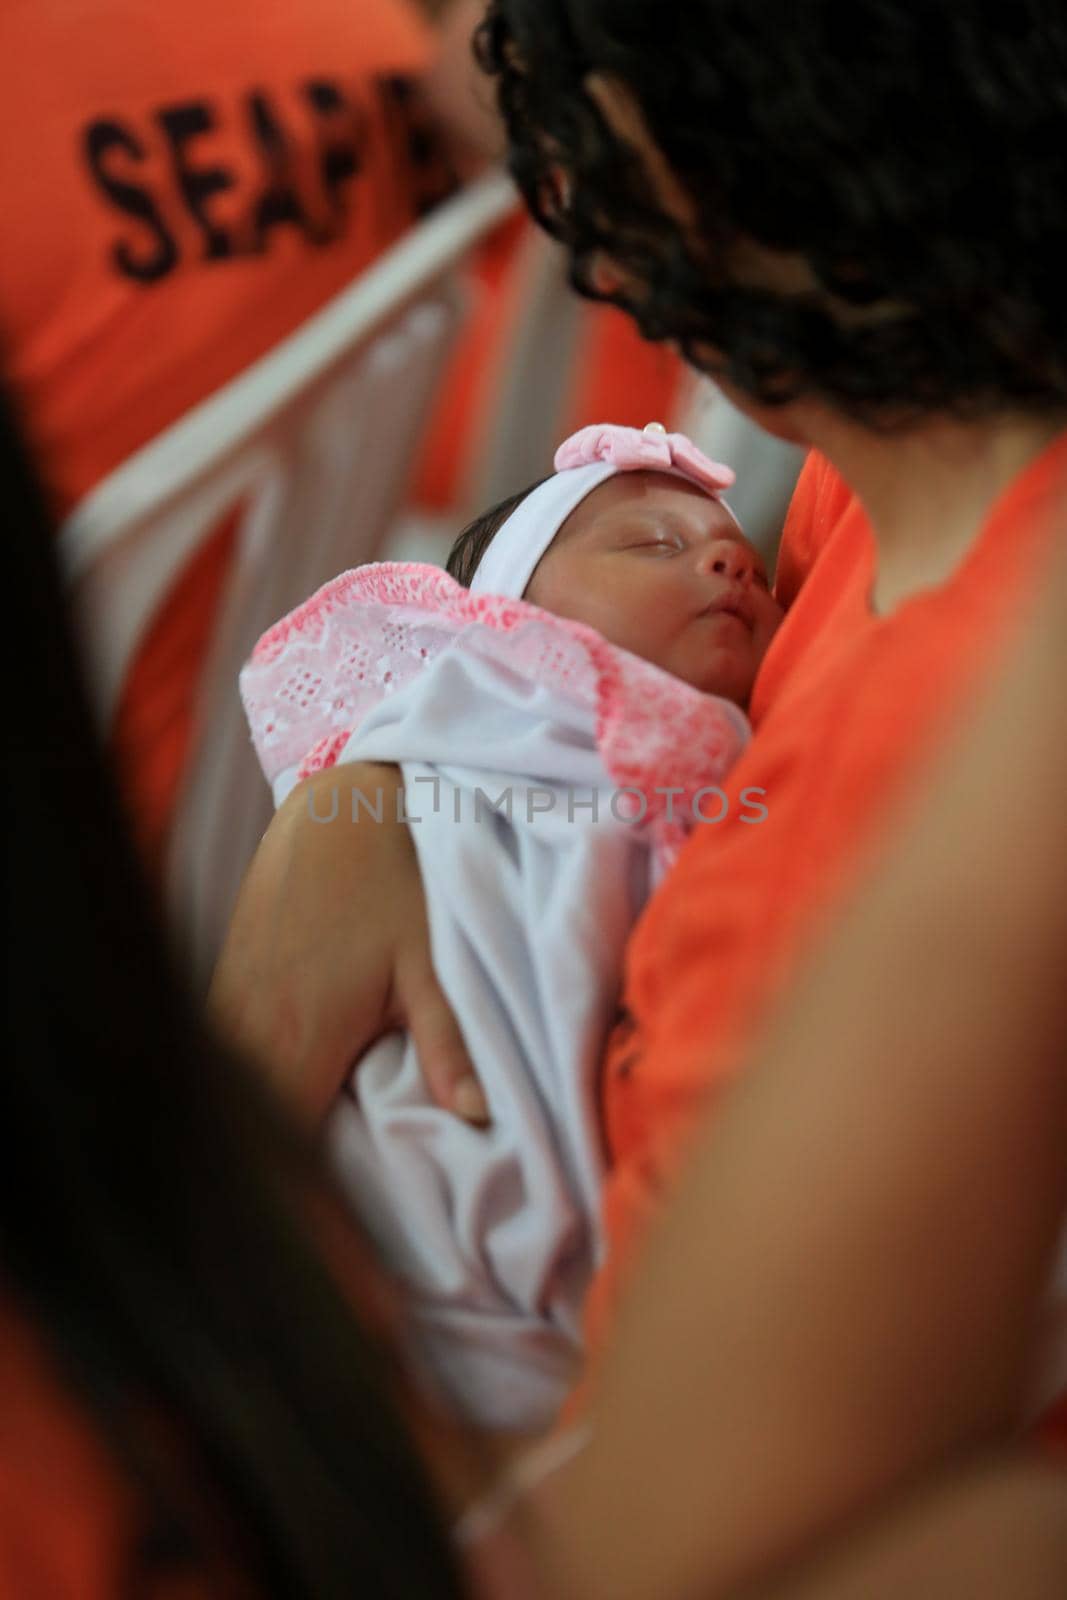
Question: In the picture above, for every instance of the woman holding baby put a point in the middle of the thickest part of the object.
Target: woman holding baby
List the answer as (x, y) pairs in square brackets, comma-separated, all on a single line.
[(850, 216)]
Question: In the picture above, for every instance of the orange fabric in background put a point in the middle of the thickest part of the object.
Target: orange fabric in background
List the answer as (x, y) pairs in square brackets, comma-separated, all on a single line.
[(620, 377), (69, 1525), (182, 185), (615, 376), (848, 710), (63, 1517), (457, 428), (155, 714)]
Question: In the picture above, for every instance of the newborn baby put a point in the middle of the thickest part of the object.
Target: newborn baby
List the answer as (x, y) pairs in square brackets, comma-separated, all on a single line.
[(656, 562), (561, 723)]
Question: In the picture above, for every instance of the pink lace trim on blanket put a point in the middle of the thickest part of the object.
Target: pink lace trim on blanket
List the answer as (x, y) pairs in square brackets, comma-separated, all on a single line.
[(316, 675)]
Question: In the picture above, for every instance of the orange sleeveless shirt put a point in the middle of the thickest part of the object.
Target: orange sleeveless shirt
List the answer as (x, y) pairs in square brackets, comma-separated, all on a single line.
[(848, 710)]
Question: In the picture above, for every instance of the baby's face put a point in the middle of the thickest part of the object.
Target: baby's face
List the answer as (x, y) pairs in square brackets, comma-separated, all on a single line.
[(663, 570)]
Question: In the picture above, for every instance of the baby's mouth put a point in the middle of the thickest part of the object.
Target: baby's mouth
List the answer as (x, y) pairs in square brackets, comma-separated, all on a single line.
[(735, 603)]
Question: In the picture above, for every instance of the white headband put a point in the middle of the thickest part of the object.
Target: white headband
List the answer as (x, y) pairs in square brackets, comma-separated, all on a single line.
[(519, 543), (583, 463)]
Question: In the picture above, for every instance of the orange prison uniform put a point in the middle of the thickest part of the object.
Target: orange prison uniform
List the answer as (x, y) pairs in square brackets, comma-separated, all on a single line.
[(182, 185), (70, 1527), (848, 710)]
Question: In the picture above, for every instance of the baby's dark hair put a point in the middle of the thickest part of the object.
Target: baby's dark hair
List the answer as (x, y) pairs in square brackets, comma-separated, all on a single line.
[(477, 536)]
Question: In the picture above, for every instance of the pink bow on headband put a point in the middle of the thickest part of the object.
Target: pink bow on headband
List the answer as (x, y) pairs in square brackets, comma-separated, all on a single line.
[(651, 448)]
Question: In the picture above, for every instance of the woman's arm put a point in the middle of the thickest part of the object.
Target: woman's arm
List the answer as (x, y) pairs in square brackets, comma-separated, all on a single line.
[(844, 1292), (996, 1528), (329, 948)]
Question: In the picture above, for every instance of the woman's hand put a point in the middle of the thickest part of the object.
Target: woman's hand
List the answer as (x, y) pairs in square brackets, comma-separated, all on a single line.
[(329, 948)]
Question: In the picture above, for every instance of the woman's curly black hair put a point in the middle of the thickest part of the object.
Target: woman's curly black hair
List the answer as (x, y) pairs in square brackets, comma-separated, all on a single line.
[(909, 156)]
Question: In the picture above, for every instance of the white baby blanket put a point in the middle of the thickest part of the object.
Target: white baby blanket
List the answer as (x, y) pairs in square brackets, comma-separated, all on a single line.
[(551, 776)]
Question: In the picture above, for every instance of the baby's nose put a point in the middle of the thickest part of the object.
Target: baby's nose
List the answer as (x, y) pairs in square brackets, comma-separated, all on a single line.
[(728, 559)]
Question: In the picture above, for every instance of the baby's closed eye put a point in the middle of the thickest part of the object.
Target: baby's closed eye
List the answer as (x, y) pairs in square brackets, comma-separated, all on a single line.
[(667, 543)]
